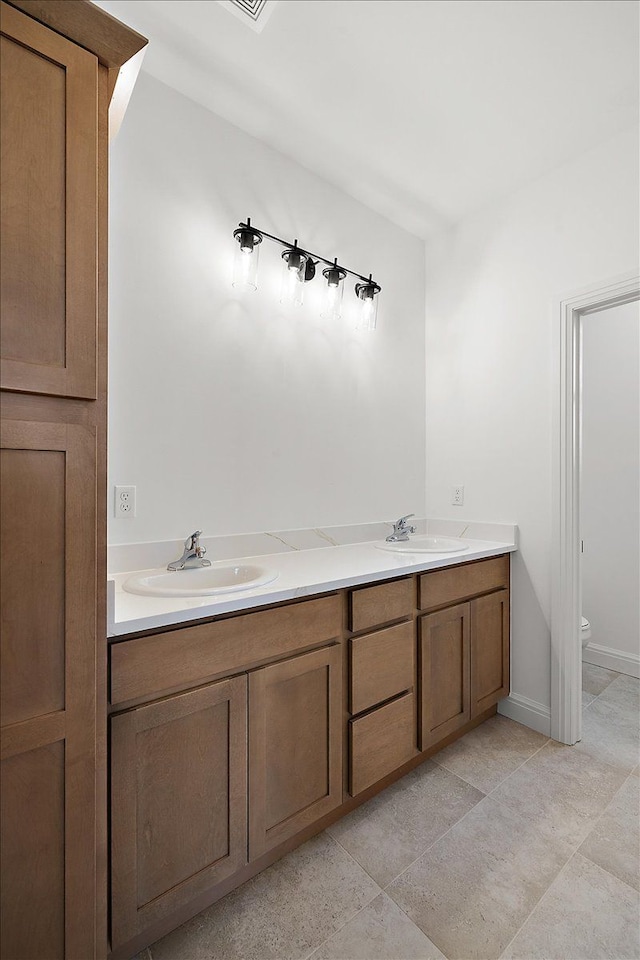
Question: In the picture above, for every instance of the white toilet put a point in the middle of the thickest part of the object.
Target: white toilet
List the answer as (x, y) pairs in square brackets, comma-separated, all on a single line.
[(585, 632)]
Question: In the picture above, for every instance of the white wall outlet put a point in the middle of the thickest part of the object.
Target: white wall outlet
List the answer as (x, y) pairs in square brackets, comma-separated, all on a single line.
[(125, 502), (457, 496)]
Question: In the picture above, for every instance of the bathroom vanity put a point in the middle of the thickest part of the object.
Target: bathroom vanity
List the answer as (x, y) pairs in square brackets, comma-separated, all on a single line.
[(236, 737)]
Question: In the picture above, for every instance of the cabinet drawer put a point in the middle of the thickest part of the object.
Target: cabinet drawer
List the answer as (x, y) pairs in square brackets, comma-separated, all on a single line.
[(441, 587), (178, 659), (380, 742), (382, 666), (375, 606)]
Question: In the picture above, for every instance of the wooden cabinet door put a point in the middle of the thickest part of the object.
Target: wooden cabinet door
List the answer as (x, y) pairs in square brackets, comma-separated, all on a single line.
[(445, 672), (49, 105), (48, 689), (489, 650), (295, 746), (178, 802)]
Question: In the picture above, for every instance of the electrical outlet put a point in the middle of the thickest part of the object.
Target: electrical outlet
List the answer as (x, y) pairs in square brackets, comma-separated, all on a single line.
[(457, 496), (125, 502)]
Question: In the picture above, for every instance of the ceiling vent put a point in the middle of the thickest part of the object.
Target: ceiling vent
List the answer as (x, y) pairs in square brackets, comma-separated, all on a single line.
[(253, 13)]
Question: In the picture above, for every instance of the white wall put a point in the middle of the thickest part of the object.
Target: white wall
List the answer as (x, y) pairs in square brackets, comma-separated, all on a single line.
[(230, 413), (491, 339), (610, 482)]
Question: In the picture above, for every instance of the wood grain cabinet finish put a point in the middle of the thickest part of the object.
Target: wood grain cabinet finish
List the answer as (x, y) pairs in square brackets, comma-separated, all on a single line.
[(489, 650), (383, 603), (380, 742), (295, 746), (49, 274), (441, 588), (166, 662), (54, 101), (382, 665), (464, 653), (445, 659), (179, 802), (48, 689)]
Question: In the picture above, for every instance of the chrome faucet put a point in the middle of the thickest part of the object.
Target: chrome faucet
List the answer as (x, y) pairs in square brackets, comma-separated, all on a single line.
[(401, 530), (193, 555)]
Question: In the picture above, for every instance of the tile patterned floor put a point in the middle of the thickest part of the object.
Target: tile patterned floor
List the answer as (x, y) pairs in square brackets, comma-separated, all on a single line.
[(505, 845)]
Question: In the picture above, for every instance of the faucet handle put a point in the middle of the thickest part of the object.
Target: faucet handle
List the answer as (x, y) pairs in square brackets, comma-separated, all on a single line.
[(400, 525), (191, 543), (406, 517)]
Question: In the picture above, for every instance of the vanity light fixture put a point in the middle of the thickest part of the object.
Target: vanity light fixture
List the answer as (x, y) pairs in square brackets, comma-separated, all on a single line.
[(298, 268)]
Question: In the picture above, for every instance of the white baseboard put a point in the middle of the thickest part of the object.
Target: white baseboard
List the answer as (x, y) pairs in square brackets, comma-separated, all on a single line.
[(528, 712), (612, 659)]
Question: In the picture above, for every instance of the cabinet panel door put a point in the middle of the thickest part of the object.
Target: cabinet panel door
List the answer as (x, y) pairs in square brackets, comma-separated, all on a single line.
[(295, 746), (445, 672), (32, 804), (48, 649), (178, 802), (489, 650), (49, 94)]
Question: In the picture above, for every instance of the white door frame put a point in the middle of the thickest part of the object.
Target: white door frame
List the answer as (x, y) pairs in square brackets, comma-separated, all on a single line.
[(566, 597)]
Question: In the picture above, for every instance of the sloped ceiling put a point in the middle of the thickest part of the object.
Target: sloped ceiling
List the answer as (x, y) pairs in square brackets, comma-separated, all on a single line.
[(425, 110)]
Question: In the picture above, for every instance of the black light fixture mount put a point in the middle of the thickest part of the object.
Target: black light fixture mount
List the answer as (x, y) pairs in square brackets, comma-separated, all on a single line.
[(247, 236)]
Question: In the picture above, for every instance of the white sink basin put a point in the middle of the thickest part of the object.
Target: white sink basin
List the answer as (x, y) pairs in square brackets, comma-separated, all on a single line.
[(199, 582), (426, 544)]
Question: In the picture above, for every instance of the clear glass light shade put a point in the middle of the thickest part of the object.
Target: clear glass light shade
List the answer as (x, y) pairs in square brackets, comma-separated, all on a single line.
[(292, 289), (367, 294), (333, 294), (368, 313), (332, 307), (245, 267)]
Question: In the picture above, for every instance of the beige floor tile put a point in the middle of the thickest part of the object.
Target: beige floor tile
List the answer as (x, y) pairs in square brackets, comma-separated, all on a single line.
[(595, 679), (390, 831), (614, 842), (474, 888), (586, 915), (587, 698), (285, 912), (561, 791), (487, 755), (624, 691), (611, 732), (636, 771), (379, 932)]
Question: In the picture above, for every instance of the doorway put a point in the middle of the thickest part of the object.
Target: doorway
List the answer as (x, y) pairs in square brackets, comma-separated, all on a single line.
[(566, 614)]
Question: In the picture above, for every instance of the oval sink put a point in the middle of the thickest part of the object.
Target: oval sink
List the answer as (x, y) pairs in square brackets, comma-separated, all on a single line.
[(426, 544), (199, 582)]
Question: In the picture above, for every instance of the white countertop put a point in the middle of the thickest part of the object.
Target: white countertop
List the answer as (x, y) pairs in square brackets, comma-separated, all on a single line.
[(301, 573)]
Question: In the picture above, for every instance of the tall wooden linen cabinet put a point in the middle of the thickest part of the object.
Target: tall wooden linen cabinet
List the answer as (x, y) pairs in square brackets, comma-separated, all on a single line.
[(60, 61)]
